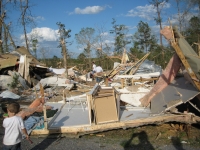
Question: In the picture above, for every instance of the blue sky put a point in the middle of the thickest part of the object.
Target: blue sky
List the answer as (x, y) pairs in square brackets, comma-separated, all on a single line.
[(77, 14)]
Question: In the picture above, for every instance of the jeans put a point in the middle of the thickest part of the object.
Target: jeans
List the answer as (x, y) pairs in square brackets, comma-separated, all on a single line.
[(98, 80), (12, 147)]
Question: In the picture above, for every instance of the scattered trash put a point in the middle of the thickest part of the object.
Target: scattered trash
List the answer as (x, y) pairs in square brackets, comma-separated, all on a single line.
[(9, 94)]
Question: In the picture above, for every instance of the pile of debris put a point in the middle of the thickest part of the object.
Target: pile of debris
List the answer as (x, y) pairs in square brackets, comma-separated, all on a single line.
[(130, 95)]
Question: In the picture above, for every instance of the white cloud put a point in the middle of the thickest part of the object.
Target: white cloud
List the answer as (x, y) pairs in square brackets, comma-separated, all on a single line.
[(147, 12), (88, 10), (104, 34), (43, 34), (184, 17), (38, 18)]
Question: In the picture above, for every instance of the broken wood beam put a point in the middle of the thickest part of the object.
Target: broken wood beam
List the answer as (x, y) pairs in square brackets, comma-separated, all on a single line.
[(122, 83), (143, 79), (103, 95), (45, 117), (88, 129)]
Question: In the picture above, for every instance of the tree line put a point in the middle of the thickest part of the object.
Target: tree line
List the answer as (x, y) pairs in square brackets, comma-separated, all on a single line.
[(93, 38)]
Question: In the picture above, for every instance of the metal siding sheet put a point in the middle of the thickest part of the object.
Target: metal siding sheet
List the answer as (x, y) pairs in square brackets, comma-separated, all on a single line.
[(179, 91)]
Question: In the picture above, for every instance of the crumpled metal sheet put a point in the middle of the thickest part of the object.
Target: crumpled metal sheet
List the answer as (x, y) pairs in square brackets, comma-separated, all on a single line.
[(177, 92)]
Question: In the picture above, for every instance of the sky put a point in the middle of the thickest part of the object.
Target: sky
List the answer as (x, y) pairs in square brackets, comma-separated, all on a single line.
[(78, 14)]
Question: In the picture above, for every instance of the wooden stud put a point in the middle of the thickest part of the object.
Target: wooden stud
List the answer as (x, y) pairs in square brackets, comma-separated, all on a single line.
[(45, 117), (64, 97), (106, 81), (89, 102), (122, 83), (87, 129), (186, 64)]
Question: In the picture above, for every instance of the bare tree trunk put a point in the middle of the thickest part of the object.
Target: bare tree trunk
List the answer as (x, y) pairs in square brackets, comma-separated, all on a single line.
[(23, 10), (199, 45), (10, 37), (1, 29), (5, 39), (64, 50), (159, 5), (160, 24), (89, 51)]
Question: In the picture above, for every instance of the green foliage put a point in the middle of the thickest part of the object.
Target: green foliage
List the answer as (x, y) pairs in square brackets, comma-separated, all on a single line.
[(120, 32), (81, 57), (143, 39), (161, 55), (192, 33), (14, 82), (34, 45), (136, 52), (64, 34)]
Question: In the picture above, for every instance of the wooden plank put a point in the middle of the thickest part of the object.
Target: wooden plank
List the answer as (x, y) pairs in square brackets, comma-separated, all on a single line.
[(4, 63), (115, 71), (21, 66), (122, 83), (117, 92), (133, 70), (105, 91), (186, 64), (183, 118), (143, 79), (136, 64), (94, 89), (45, 117), (105, 95), (89, 99), (106, 81), (26, 73)]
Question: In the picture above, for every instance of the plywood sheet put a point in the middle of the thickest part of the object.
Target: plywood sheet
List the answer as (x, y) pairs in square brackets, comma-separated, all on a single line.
[(105, 109)]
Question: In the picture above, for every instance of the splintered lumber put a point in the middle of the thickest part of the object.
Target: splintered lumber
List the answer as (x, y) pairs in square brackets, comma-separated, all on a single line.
[(45, 116), (186, 65), (133, 70), (103, 95), (143, 79), (115, 71), (135, 66), (105, 91), (168, 75), (88, 129), (94, 89), (185, 53), (41, 90), (4, 63)]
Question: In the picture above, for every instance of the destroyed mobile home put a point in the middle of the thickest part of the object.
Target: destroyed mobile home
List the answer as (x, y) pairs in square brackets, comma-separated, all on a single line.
[(138, 95)]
